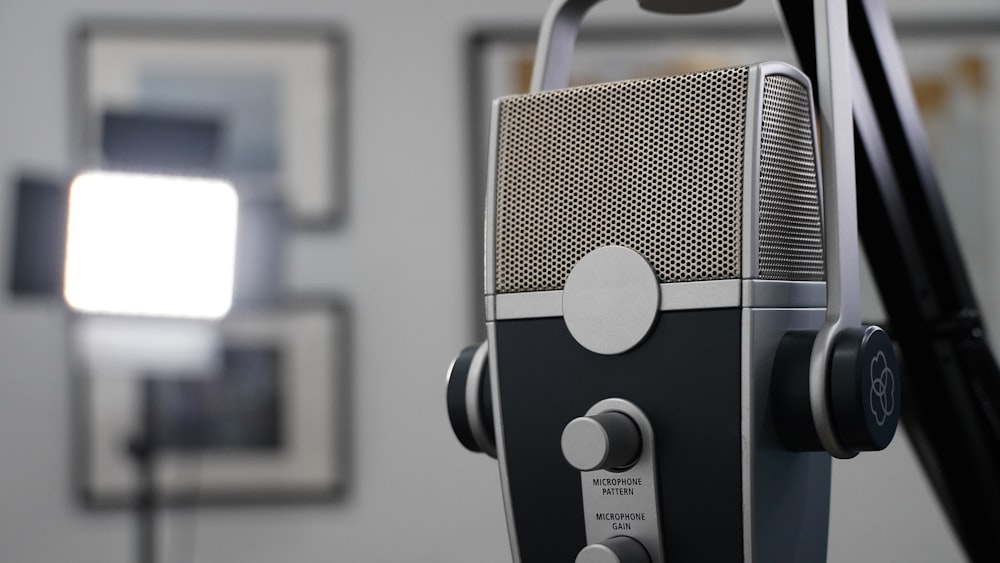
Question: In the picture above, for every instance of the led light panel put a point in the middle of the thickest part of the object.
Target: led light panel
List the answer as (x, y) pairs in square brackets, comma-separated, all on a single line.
[(150, 245)]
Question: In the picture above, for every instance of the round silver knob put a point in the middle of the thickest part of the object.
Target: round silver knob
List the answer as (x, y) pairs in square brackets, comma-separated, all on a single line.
[(620, 549), (608, 440)]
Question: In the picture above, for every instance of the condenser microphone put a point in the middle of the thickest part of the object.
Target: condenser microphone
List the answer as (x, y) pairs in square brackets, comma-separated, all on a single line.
[(660, 282)]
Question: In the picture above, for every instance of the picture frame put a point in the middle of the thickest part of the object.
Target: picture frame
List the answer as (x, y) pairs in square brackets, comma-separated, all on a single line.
[(251, 409), (278, 90), (951, 62)]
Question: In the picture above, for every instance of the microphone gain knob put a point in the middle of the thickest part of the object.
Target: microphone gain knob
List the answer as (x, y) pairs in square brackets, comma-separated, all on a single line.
[(619, 549)]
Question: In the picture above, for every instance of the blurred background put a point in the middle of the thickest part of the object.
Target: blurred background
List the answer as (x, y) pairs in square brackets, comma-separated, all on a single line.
[(353, 133)]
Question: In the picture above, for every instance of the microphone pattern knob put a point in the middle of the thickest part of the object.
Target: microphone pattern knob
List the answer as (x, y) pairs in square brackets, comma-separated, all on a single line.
[(608, 440)]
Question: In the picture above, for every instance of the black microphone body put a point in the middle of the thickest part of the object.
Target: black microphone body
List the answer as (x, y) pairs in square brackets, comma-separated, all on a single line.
[(686, 377)]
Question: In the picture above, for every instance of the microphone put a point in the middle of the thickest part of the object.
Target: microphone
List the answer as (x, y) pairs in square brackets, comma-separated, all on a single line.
[(664, 265)]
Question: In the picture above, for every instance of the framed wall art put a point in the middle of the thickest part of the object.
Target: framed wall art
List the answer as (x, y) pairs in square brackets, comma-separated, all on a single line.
[(249, 409), (277, 93)]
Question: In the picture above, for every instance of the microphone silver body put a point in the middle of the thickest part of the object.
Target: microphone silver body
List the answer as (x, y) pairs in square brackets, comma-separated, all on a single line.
[(648, 244)]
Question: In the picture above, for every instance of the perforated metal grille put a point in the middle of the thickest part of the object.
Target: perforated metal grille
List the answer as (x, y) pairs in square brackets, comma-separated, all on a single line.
[(791, 236), (655, 165)]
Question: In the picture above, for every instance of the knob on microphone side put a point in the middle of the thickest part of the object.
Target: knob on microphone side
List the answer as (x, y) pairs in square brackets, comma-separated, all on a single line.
[(862, 387), (470, 400)]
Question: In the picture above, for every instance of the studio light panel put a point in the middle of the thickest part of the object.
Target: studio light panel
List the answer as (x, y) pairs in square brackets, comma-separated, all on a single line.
[(150, 245)]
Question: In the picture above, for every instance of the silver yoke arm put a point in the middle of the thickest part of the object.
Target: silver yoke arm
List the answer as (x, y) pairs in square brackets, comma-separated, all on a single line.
[(553, 59), (554, 54), (840, 207)]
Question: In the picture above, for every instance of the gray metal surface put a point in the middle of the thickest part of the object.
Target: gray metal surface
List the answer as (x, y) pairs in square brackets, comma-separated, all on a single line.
[(618, 503), (786, 495), (833, 52), (490, 301), (749, 260), (674, 297), (783, 294), (491, 339), (611, 299), (556, 38), (554, 52), (531, 305), (490, 236), (484, 440), (700, 295)]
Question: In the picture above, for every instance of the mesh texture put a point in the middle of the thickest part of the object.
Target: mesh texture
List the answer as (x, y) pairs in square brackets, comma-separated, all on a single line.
[(790, 229), (655, 165)]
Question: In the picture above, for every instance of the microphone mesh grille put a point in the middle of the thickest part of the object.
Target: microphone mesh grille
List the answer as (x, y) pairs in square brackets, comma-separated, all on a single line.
[(791, 232), (655, 165)]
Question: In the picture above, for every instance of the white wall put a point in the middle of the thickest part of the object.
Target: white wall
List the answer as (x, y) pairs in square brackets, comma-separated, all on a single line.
[(416, 494)]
